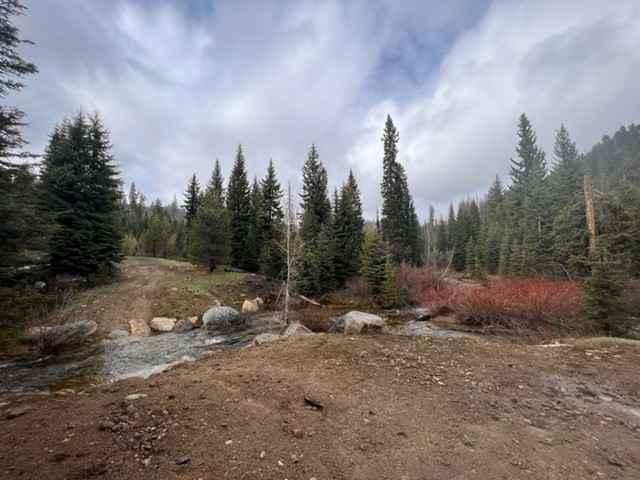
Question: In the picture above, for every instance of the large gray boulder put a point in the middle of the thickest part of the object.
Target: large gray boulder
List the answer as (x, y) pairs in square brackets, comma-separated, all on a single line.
[(358, 322), (217, 318), (58, 336)]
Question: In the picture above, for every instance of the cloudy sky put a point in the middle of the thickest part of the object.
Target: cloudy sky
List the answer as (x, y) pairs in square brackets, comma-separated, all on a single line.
[(181, 82)]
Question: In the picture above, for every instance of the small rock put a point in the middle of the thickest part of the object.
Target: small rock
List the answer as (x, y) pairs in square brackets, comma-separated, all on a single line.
[(296, 329), (184, 325), (228, 442), (265, 338), (162, 324), (298, 433), (17, 412), (196, 321), (135, 396), (183, 460), (250, 306), (139, 328), (263, 454), (40, 285), (106, 425)]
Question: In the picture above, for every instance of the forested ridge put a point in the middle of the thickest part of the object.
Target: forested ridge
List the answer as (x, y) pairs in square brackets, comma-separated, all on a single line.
[(66, 212)]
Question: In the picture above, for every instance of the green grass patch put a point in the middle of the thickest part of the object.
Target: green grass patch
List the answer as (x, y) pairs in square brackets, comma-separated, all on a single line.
[(206, 282)]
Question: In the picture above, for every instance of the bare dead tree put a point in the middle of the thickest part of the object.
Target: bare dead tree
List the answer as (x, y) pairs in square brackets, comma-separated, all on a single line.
[(290, 249), (591, 215)]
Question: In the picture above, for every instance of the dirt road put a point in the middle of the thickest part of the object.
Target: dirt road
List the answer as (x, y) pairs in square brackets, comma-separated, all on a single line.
[(391, 408)]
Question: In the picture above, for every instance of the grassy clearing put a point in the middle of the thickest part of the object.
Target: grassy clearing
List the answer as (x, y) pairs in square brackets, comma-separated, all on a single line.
[(207, 282)]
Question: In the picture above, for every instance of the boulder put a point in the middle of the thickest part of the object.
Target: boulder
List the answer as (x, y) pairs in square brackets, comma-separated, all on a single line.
[(50, 338), (162, 324), (358, 322), (220, 317), (296, 330), (139, 328), (252, 306), (266, 338), (184, 325)]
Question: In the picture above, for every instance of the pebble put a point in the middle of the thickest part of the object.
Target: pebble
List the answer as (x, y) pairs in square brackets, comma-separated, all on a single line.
[(135, 396), (183, 460), (228, 442), (263, 454)]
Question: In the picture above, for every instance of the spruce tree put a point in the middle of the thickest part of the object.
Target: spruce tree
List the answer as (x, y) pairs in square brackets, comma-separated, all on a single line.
[(192, 199), (272, 259), (209, 241), (566, 176), (375, 254), (239, 207), (19, 223), (315, 268), (216, 184), (13, 69), (348, 230), (255, 239), (529, 196), (400, 225), (80, 193)]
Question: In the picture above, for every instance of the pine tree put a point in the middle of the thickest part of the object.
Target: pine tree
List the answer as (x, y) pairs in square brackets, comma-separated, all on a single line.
[(315, 268), (348, 229), (272, 261), (239, 207), (529, 197), (20, 224), (255, 239), (391, 294), (209, 242), (216, 184), (374, 260), (14, 69), (192, 199), (157, 232), (316, 207), (565, 179), (603, 296), (80, 191), (400, 225)]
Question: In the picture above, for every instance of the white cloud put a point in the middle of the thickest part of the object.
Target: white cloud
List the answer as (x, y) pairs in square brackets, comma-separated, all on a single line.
[(178, 90), (573, 62)]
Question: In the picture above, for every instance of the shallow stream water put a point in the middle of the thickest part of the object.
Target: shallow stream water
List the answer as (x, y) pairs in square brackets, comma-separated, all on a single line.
[(125, 357)]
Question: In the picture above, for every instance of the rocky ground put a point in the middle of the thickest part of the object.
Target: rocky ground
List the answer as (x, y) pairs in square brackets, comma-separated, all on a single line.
[(340, 407), (328, 406)]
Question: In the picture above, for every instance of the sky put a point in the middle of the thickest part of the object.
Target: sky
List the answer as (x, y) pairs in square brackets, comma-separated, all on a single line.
[(180, 83)]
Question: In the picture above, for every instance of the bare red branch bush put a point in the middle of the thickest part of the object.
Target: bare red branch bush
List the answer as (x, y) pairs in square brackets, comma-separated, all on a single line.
[(412, 282), (533, 303)]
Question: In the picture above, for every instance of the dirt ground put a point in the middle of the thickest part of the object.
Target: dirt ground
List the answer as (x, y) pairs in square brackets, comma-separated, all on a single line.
[(390, 408), (153, 287), (330, 406)]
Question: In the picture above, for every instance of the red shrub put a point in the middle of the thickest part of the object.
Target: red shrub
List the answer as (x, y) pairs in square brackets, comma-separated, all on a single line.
[(528, 303), (413, 281)]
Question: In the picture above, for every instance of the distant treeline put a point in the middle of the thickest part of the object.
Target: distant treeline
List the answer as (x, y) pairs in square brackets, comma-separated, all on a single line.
[(537, 225)]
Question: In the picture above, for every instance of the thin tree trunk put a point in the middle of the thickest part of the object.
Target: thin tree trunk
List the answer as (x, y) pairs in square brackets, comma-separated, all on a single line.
[(591, 215)]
